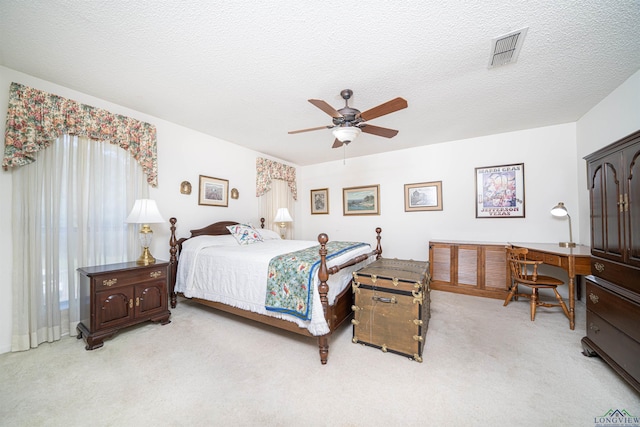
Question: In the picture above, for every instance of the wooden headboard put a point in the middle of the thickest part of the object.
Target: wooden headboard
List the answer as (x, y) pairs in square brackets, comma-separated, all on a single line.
[(215, 229)]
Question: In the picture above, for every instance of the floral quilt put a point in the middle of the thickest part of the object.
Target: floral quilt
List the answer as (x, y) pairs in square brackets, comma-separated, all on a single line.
[(291, 276)]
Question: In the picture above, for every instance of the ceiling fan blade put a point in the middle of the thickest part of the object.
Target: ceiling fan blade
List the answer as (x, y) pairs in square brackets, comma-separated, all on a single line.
[(325, 107), (337, 143), (308, 130), (386, 108), (377, 130)]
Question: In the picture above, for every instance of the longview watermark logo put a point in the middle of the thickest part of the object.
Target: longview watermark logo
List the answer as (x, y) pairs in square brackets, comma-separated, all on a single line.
[(617, 418)]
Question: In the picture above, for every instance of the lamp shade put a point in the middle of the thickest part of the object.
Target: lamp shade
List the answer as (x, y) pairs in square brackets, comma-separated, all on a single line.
[(145, 211), (559, 210), (346, 133), (283, 215)]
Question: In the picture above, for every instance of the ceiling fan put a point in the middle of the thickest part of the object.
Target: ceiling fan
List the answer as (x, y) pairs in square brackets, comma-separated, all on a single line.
[(349, 122)]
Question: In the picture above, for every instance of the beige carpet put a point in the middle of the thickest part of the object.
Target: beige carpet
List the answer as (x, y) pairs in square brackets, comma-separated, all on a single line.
[(484, 365)]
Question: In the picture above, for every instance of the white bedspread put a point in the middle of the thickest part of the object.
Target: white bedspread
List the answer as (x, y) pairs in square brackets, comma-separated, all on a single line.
[(217, 268)]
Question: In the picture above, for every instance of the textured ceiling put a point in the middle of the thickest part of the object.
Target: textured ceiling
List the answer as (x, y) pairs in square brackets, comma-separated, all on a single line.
[(243, 70)]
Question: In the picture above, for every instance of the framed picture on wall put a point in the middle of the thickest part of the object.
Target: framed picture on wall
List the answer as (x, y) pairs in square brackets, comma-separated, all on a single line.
[(361, 200), (213, 191), (320, 201), (423, 196), (500, 191)]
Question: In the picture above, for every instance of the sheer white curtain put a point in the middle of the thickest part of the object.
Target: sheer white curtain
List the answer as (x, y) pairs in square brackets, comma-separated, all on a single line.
[(278, 197), (69, 208)]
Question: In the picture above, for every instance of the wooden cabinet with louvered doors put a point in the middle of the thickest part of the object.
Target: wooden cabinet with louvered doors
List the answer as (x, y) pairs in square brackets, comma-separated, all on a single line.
[(470, 268)]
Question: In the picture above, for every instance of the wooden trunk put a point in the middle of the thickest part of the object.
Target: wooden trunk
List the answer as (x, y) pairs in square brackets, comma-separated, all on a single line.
[(391, 306)]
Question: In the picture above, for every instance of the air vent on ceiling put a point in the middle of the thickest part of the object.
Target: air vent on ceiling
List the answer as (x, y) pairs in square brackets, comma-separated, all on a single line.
[(506, 48)]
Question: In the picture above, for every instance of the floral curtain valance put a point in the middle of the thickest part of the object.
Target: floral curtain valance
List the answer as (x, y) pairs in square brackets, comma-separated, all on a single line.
[(266, 170), (36, 118)]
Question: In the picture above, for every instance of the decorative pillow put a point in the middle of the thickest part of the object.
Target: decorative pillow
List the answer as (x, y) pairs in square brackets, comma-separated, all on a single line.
[(269, 235), (244, 234)]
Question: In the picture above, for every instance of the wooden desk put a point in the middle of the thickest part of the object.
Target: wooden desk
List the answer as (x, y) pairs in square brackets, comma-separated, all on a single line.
[(575, 261)]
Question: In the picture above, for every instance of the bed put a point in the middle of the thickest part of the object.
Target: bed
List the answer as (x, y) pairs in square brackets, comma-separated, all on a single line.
[(215, 267)]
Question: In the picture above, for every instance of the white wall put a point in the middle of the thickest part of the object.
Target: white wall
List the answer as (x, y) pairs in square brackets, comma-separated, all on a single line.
[(554, 171), (550, 173), (183, 154)]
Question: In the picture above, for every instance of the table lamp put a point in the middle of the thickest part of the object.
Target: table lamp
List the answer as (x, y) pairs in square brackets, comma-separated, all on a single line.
[(282, 217), (145, 212), (560, 211)]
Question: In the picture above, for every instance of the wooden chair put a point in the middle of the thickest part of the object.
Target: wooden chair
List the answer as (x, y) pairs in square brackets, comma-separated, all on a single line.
[(525, 272)]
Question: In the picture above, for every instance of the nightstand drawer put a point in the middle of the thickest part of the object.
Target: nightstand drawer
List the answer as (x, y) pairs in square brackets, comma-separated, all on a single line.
[(125, 278)]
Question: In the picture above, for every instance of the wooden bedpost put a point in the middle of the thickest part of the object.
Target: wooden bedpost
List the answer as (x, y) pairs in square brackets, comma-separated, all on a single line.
[(173, 263), (323, 289), (378, 246)]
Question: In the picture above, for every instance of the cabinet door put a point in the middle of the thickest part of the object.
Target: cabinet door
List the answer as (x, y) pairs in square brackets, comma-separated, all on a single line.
[(632, 205), (441, 263), (151, 297), (495, 268), (606, 188), (469, 263), (114, 307)]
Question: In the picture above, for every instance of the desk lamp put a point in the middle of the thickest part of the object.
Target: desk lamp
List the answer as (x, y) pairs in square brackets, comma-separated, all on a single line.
[(560, 211)]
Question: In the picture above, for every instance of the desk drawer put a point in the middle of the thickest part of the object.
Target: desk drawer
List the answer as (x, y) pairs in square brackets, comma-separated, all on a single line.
[(535, 256), (552, 260), (548, 259)]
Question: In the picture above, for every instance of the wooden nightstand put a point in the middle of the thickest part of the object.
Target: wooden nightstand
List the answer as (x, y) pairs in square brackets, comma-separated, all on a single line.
[(115, 296)]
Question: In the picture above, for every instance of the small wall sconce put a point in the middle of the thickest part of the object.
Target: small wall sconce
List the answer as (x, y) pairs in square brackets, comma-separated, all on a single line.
[(283, 217), (185, 187), (559, 210), (234, 193)]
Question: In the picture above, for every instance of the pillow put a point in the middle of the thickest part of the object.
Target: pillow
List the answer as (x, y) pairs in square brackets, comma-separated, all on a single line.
[(244, 234), (269, 234)]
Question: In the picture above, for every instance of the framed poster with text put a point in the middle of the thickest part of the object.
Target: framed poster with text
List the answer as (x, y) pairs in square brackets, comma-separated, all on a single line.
[(500, 191)]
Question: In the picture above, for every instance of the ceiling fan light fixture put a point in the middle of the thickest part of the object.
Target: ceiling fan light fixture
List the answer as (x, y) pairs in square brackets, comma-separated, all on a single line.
[(346, 134)]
